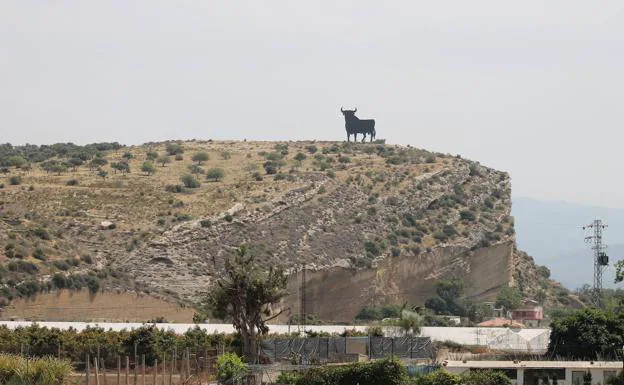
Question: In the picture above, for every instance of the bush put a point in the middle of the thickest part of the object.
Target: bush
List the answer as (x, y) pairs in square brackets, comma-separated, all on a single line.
[(344, 159), (15, 180), (73, 182), (312, 149), (385, 372), (300, 157), (230, 367), (467, 215), (17, 370), (163, 160), (189, 181), (200, 157), (215, 174), (205, 223), (148, 168), (39, 254), (174, 188), (225, 155), (174, 149), (179, 157)]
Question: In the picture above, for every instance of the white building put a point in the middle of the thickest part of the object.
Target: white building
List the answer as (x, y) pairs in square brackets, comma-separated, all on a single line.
[(542, 372)]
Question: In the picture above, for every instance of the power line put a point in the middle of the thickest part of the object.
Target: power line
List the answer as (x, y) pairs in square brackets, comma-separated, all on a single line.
[(600, 256)]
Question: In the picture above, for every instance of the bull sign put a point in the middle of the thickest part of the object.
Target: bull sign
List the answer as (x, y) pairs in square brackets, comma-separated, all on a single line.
[(355, 125)]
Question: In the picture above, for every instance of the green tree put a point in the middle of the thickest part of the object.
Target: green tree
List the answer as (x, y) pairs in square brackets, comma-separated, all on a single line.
[(244, 294), (16, 161), (102, 174), (509, 298), (75, 163), (230, 367), (300, 157), (195, 169), (152, 155), (174, 149), (163, 160), (189, 181), (148, 168), (587, 334), (127, 155), (215, 174), (200, 157)]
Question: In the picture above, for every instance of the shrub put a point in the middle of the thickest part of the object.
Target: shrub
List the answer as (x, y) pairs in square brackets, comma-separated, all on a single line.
[(300, 157), (174, 149), (102, 174), (228, 217), (230, 367), (430, 159), (196, 169), (270, 168), (205, 223), (87, 259), (279, 176), (257, 176), (41, 233), (61, 265), (17, 370), (174, 188), (385, 372), (148, 168), (467, 215), (344, 159), (72, 182), (200, 157), (127, 155), (179, 157), (163, 160), (312, 149), (215, 174), (225, 155), (15, 180), (39, 254), (189, 181), (152, 155)]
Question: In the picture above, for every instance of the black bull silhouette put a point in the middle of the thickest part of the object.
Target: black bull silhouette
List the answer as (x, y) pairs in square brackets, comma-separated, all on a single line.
[(355, 125)]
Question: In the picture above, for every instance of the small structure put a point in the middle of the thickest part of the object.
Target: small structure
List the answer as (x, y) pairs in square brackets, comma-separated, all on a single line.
[(529, 314), (541, 372), (501, 323)]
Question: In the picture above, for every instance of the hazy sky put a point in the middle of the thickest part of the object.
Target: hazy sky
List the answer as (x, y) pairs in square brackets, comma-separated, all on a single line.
[(531, 87)]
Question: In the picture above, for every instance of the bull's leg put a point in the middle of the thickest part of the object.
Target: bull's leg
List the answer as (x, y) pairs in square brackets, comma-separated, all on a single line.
[(364, 138), (348, 137), (355, 137)]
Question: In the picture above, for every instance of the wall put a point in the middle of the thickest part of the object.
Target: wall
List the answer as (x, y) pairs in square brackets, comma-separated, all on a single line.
[(81, 305), (337, 294)]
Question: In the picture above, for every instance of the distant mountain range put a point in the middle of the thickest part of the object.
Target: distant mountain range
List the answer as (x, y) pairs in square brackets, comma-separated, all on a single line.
[(552, 233)]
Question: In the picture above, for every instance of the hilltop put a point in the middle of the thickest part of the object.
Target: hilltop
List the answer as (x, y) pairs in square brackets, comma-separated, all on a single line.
[(371, 223)]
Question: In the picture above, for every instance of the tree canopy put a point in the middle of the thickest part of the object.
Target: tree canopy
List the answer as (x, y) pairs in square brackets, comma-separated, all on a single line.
[(587, 334), (244, 294)]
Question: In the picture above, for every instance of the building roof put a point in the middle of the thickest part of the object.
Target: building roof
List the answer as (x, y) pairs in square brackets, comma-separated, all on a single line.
[(534, 364), (501, 322)]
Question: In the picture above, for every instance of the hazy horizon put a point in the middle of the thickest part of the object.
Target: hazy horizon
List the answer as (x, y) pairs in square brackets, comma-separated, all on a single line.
[(531, 88)]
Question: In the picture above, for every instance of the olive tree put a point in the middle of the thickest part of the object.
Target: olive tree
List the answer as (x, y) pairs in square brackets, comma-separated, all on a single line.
[(244, 294)]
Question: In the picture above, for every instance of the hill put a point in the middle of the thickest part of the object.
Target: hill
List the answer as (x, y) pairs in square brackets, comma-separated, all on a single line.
[(371, 223), (565, 247)]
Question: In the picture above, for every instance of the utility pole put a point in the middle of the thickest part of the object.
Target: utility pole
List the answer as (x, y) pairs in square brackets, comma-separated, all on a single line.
[(600, 256), (302, 310)]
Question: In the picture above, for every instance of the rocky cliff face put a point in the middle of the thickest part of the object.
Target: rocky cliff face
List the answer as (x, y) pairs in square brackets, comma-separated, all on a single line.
[(369, 223), (383, 234)]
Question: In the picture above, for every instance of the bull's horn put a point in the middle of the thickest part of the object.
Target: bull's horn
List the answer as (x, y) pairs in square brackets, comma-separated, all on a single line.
[(341, 109), (354, 111)]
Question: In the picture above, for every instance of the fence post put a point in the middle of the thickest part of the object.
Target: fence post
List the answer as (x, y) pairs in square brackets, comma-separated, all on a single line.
[(143, 367), (392, 348), (164, 375), (172, 368), (155, 371), (411, 346), (103, 366), (136, 363), (88, 368), (370, 347), (188, 363), (118, 369), (97, 372), (127, 370)]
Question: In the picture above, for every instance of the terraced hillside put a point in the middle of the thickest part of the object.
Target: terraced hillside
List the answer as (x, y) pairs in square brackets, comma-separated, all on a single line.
[(371, 223)]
